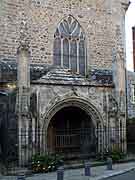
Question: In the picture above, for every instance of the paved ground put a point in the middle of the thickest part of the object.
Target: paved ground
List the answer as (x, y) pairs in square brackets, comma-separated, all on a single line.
[(126, 176), (98, 173)]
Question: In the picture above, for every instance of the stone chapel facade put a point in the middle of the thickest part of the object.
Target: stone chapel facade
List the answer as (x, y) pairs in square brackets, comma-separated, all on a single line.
[(65, 60)]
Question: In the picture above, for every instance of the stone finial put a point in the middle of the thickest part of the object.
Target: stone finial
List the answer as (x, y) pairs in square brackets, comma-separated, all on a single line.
[(23, 41)]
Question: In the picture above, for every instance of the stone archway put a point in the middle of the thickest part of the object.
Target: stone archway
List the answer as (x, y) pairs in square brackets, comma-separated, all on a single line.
[(69, 104), (71, 131)]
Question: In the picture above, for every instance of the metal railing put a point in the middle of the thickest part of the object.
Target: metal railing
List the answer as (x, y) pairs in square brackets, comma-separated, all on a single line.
[(84, 141)]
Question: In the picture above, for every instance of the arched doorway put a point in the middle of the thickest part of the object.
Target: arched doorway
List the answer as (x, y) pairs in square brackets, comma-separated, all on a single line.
[(71, 131)]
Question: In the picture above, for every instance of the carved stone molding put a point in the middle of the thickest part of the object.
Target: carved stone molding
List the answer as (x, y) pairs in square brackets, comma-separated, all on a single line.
[(80, 102), (92, 93)]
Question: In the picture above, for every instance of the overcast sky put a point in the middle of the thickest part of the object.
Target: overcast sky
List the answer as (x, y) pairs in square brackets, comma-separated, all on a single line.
[(130, 22)]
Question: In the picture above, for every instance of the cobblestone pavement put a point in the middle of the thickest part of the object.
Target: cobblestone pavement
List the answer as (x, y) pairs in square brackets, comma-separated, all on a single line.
[(98, 172)]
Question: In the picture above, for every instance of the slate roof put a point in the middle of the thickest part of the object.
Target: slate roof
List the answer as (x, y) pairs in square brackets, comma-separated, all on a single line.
[(41, 73), (8, 71), (101, 76), (65, 76)]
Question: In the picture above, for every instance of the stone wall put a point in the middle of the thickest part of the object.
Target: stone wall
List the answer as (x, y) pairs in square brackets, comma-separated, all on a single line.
[(103, 23), (101, 20)]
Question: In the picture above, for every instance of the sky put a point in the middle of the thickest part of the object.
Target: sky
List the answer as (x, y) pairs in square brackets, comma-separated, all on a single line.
[(129, 23)]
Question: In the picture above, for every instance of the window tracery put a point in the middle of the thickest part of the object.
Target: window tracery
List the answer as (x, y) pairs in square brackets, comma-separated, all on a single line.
[(70, 46)]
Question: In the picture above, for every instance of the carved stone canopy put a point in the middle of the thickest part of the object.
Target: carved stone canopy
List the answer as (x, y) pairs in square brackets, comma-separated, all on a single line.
[(64, 76)]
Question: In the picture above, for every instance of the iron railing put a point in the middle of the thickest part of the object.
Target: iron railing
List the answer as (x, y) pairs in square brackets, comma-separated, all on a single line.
[(24, 144)]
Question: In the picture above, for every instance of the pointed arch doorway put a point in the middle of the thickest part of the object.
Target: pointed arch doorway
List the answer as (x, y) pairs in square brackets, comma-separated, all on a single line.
[(71, 132)]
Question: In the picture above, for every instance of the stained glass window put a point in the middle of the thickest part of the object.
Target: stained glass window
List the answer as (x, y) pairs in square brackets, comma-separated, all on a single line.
[(70, 46)]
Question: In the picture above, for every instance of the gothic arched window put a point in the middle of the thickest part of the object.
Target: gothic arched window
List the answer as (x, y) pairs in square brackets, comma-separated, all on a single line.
[(70, 46)]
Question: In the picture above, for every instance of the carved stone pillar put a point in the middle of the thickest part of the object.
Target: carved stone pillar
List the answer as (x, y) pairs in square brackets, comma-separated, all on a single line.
[(23, 101)]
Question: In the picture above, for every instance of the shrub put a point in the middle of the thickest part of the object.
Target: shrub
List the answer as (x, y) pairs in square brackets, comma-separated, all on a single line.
[(46, 162), (116, 155)]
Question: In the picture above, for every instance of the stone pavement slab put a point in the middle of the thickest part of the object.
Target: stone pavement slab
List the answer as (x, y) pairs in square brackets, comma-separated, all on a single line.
[(98, 173)]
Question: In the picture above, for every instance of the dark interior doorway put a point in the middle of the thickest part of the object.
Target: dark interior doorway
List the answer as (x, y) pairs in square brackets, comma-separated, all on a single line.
[(71, 131)]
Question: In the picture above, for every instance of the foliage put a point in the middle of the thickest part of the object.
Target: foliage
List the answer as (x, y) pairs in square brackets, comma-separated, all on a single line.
[(46, 162), (130, 121), (115, 154)]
